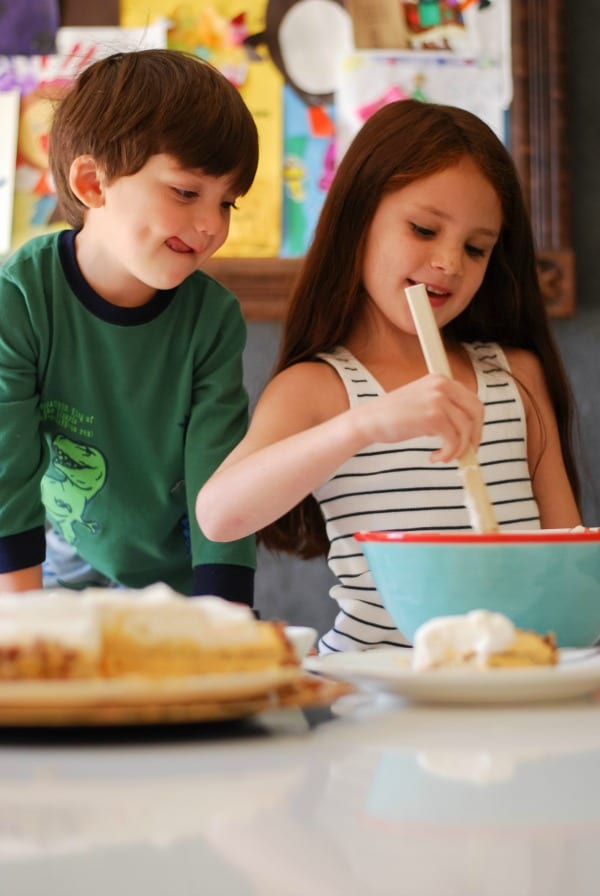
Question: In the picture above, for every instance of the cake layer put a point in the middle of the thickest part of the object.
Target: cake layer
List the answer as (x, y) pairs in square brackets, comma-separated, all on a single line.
[(189, 637), (50, 634), (528, 649), (116, 632)]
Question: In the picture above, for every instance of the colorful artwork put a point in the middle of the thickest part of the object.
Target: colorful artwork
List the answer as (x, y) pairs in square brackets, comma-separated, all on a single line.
[(477, 27), (40, 81), (372, 79), (9, 123), (309, 162), (445, 24), (456, 52), (311, 80), (219, 32)]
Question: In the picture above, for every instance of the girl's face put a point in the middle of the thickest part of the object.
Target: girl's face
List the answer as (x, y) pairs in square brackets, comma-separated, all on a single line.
[(440, 231)]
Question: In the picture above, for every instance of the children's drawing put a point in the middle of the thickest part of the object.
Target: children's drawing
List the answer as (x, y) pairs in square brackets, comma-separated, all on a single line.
[(9, 121), (309, 161), (311, 79), (218, 31), (41, 81), (475, 27), (371, 80)]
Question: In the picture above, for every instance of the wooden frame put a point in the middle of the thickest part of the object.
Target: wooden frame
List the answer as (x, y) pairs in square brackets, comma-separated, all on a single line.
[(539, 147), (539, 142)]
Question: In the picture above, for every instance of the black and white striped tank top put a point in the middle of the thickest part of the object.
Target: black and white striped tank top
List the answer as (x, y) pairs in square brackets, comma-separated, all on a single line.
[(394, 486)]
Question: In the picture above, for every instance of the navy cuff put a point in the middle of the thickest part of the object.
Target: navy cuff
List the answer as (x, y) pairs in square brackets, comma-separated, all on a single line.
[(234, 583), (23, 550)]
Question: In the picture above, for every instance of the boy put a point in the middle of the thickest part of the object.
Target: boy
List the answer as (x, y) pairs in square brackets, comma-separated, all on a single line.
[(120, 361)]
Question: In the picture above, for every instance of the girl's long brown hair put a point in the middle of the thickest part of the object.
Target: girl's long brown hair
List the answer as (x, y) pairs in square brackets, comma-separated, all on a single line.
[(401, 143)]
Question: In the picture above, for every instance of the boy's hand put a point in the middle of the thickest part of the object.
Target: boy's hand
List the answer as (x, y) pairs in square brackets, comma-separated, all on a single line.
[(21, 580)]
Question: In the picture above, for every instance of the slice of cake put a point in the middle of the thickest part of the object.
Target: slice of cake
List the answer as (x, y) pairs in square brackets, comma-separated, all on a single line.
[(48, 635), (528, 649), (480, 639), (151, 632), (187, 636)]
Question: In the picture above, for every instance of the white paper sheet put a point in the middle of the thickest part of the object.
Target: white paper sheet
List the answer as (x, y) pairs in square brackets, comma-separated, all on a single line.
[(9, 123)]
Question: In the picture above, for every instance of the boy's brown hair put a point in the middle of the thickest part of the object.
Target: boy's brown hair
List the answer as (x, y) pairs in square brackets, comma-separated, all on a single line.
[(130, 106)]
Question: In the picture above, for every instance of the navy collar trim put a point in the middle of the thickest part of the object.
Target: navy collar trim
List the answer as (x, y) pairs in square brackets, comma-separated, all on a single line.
[(101, 308)]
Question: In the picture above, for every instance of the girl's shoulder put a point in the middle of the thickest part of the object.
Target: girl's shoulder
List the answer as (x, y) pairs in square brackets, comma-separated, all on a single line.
[(528, 373), (311, 388), (525, 366)]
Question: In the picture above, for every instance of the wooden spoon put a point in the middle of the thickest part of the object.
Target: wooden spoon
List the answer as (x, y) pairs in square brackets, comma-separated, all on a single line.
[(478, 504)]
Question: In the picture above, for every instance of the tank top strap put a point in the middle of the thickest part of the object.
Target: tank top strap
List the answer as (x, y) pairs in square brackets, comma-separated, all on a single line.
[(359, 383)]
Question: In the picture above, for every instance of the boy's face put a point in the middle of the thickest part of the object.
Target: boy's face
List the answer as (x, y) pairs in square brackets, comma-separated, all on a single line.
[(152, 229)]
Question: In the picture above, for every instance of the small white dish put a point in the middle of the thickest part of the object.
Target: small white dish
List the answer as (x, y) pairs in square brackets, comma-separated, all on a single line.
[(302, 638), (387, 669)]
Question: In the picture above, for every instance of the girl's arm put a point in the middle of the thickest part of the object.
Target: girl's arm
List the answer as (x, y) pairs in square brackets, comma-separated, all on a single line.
[(551, 487), (302, 431)]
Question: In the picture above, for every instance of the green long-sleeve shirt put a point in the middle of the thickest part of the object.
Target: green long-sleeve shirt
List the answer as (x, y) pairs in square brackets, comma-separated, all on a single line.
[(112, 418)]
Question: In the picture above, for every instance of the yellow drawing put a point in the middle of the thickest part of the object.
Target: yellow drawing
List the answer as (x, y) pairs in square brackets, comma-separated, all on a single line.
[(35, 208), (216, 32)]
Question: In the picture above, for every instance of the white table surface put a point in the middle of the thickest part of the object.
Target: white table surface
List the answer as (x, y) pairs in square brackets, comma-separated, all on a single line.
[(383, 797)]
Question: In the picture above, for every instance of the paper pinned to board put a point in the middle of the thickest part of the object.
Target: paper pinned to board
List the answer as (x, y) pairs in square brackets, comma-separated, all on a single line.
[(9, 127), (467, 28), (232, 38), (458, 54), (105, 39), (40, 81)]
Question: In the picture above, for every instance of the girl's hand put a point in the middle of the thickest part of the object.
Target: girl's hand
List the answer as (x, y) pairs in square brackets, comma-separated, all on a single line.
[(431, 406), (301, 434)]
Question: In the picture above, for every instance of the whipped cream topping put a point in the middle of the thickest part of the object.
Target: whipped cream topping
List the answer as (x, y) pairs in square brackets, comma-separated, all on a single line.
[(58, 617), (159, 593), (151, 614), (452, 640), (204, 620)]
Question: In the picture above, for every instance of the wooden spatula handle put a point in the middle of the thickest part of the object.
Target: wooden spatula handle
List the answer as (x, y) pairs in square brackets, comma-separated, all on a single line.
[(481, 512)]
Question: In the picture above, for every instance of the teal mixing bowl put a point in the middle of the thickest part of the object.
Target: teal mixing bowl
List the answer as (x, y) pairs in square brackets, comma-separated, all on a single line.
[(546, 581)]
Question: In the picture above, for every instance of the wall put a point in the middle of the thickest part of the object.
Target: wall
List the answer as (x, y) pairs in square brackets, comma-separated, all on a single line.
[(286, 587), (296, 590), (579, 337)]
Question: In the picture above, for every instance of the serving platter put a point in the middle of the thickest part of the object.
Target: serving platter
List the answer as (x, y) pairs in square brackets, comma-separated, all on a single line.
[(139, 701), (136, 700)]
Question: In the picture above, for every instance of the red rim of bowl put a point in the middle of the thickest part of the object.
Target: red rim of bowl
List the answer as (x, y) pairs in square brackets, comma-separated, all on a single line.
[(510, 537)]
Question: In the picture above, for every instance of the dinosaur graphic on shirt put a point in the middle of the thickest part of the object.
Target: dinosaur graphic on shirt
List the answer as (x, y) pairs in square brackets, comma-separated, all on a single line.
[(76, 474)]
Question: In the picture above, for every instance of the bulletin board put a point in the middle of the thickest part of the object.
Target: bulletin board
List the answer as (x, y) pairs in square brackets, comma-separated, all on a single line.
[(262, 274)]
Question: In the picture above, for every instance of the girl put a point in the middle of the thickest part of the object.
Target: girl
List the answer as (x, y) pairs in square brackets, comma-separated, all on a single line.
[(344, 434)]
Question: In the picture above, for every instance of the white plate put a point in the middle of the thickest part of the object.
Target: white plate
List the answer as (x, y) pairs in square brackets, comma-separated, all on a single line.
[(387, 669)]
